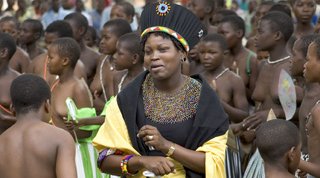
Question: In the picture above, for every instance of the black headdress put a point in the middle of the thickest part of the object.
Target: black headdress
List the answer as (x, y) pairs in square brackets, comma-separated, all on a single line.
[(174, 20)]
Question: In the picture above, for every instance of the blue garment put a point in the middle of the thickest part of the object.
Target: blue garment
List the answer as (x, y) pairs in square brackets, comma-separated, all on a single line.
[(51, 16), (96, 20)]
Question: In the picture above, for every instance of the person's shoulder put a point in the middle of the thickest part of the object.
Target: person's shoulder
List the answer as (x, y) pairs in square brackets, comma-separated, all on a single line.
[(92, 53), (22, 53), (316, 110), (40, 58)]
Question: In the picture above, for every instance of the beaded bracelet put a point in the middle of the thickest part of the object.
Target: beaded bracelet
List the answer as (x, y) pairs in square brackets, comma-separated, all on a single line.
[(105, 153), (124, 164)]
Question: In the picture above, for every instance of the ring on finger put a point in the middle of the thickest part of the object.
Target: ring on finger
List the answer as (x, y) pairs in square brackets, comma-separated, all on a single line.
[(150, 137)]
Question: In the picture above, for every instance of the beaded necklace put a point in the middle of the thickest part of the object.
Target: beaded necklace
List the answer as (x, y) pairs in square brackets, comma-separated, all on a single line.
[(277, 61), (170, 108)]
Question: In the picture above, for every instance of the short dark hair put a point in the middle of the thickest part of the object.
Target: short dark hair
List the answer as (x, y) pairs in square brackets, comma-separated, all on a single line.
[(7, 41), (306, 40), (134, 44), (276, 137), (37, 26), (226, 12), (28, 92), (281, 8), (214, 37), (68, 47), (164, 35), (120, 26), (61, 28), (11, 19), (317, 43), (79, 19), (127, 7), (236, 22), (280, 22)]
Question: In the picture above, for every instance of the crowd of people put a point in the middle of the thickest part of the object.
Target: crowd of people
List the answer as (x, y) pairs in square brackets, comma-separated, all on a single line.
[(172, 89)]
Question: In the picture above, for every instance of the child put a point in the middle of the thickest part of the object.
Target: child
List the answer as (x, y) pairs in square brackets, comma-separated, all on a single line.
[(229, 86), (311, 71), (279, 144), (242, 61), (203, 9), (124, 10), (63, 55), (194, 61), (102, 85), (90, 58), (91, 38), (8, 48), (303, 11), (47, 150), (128, 57), (30, 32), (311, 90), (20, 60), (38, 66)]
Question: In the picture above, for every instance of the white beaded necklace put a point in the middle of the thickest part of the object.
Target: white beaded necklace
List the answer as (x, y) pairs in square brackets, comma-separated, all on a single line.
[(224, 71), (277, 61)]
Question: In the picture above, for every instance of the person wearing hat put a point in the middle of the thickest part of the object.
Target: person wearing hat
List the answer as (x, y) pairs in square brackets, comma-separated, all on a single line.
[(165, 123)]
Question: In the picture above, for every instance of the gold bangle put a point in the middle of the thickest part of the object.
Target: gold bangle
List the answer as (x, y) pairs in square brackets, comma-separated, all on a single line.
[(170, 151)]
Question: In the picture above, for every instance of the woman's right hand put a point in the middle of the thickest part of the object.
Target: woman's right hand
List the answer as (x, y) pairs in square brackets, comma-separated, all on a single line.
[(157, 164)]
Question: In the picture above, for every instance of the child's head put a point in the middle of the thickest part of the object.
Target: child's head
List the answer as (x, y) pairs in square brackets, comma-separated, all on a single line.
[(299, 53), (202, 8), (57, 29), (273, 28), (28, 93), (63, 53), (233, 29), (220, 14), (90, 38), (7, 46), (212, 50), (31, 30), (312, 66), (78, 23), (110, 34), (10, 25), (123, 10), (262, 10), (129, 52), (304, 10), (279, 142), (281, 8)]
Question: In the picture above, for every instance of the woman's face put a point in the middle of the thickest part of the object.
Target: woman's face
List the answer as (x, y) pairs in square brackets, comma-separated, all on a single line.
[(264, 37), (230, 34), (211, 55), (304, 10), (312, 66), (162, 58)]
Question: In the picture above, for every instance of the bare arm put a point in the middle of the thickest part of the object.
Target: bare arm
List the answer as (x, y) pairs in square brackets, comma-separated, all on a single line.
[(65, 163), (310, 168)]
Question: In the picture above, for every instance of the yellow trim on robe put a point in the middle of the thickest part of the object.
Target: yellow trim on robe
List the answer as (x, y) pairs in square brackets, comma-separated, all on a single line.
[(114, 134)]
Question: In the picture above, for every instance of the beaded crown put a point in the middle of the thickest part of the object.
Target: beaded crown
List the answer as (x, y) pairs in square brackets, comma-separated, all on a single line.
[(174, 20)]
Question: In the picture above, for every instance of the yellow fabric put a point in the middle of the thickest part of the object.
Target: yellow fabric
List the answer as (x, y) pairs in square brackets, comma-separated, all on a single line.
[(114, 134)]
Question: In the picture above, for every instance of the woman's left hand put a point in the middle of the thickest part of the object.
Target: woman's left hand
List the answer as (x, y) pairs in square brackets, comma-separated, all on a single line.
[(152, 137)]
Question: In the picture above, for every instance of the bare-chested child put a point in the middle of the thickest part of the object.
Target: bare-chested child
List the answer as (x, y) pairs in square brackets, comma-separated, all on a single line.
[(274, 30), (303, 11), (7, 75), (279, 144), (195, 66), (311, 73), (203, 9), (128, 58), (31, 31), (31, 147), (242, 61), (89, 57), (38, 66), (20, 60), (63, 55), (311, 91), (102, 85), (228, 85)]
